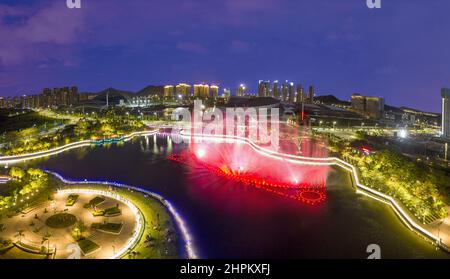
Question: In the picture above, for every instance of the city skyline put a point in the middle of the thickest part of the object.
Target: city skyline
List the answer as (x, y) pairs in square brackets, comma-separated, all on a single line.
[(346, 49)]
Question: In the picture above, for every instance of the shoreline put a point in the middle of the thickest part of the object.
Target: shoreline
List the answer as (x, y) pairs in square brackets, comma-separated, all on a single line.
[(405, 217)]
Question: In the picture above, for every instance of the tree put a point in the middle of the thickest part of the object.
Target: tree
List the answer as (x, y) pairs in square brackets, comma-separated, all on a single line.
[(82, 128), (17, 173), (35, 173), (28, 135)]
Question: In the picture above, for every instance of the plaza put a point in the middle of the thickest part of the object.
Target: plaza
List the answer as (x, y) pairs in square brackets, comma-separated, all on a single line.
[(31, 230)]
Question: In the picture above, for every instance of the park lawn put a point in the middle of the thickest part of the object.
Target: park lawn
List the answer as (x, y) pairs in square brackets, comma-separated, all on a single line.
[(115, 228), (22, 121), (87, 246), (113, 211), (150, 208)]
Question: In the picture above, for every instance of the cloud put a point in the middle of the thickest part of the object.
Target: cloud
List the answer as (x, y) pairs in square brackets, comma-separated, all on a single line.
[(192, 47), (33, 35)]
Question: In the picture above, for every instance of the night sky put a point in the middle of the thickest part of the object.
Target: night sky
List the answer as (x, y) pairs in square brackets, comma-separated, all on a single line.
[(400, 52)]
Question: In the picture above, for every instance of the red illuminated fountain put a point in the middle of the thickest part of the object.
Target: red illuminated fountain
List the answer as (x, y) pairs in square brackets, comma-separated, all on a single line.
[(240, 163)]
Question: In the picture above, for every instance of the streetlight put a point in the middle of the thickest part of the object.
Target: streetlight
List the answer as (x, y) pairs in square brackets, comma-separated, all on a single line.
[(334, 125)]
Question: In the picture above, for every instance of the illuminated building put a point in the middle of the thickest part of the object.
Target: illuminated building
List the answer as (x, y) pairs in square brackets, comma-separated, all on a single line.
[(168, 91), (300, 94), (372, 107), (183, 89), (201, 90), (226, 93), (275, 90), (214, 91), (241, 90), (291, 92), (261, 89), (311, 94), (445, 93), (264, 88), (284, 91)]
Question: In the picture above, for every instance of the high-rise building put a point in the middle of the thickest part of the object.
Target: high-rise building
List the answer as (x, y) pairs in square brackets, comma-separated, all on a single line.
[(183, 89), (201, 90), (261, 89), (284, 91), (214, 91), (242, 90), (372, 107), (300, 94), (275, 90), (168, 91), (291, 92), (226, 93), (311, 93), (267, 88), (73, 95), (264, 88), (445, 94), (358, 103)]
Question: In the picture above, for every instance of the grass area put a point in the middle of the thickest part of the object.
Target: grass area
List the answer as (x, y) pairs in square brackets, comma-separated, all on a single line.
[(115, 228), (113, 211), (72, 200), (158, 222), (94, 202), (88, 246), (9, 121), (61, 220)]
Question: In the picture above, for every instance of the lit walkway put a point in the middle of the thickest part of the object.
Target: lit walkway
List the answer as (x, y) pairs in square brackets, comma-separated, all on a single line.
[(441, 228)]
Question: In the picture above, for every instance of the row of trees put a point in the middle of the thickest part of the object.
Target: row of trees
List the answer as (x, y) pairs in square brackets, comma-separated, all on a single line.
[(111, 125), (23, 183), (31, 139), (419, 188)]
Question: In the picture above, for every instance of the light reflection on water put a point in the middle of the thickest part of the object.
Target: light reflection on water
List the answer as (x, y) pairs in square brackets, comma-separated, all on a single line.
[(229, 220)]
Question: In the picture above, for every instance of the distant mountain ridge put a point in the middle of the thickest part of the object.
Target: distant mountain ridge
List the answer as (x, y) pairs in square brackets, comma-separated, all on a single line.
[(333, 100), (113, 92)]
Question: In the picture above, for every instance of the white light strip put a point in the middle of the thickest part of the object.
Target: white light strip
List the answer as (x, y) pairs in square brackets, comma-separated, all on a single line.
[(134, 239), (181, 224), (301, 160), (404, 216)]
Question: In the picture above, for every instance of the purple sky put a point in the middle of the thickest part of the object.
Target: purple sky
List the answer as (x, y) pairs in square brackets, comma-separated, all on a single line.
[(400, 52)]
